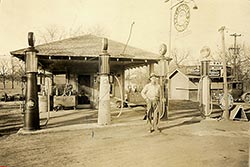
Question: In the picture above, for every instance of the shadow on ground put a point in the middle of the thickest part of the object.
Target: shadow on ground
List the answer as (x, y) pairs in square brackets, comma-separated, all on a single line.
[(194, 120)]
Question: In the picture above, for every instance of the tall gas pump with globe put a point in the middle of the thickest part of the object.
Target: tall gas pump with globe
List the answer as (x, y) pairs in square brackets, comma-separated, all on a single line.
[(31, 112)]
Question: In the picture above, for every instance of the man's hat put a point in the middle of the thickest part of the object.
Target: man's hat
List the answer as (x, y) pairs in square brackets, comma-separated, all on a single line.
[(153, 75)]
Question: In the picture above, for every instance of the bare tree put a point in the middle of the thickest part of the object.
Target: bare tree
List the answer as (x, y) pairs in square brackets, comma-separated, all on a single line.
[(17, 71), (243, 62), (20, 70), (55, 33), (96, 30), (80, 30), (179, 57), (4, 71), (76, 31), (137, 77), (239, 61), (51, 33), (11, 69), (12, 72)]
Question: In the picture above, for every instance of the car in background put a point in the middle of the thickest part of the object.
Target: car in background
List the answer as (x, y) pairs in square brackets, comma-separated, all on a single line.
[(15, 97)]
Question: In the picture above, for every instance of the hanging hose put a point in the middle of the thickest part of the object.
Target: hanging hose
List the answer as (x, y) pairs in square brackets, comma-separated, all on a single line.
[(48, 114), (201, 99), (163, 99), (211, 108), (48, 110), (47, 120), (121, 93)]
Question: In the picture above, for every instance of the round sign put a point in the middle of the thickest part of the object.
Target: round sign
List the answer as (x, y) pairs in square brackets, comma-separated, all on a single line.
[(181, 17), (222, 101)]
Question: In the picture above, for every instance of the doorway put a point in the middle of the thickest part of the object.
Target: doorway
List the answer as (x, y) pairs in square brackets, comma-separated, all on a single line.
[(84, 89)]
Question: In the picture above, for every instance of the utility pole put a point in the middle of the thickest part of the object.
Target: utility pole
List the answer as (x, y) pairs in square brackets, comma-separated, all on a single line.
[(235, 49), (226, 111)]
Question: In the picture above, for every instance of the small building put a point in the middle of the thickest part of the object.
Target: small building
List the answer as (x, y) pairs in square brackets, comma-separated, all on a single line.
[(184, 82), (182, 86), (75, 62)]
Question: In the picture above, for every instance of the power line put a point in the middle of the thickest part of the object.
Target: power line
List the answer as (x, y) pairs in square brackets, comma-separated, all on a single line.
[(235, 49)]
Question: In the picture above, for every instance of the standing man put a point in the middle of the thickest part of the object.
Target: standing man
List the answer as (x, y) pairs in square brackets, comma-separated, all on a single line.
[(151, 94)]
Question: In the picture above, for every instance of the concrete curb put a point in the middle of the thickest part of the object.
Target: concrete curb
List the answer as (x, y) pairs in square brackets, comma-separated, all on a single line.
[(76, 127), (96, 126)]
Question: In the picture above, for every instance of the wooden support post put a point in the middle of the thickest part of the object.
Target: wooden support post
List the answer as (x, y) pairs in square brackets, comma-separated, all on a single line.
[(123, 83), (151, 69)]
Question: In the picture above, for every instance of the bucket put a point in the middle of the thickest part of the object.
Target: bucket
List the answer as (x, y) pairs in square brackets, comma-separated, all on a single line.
[(43, 103)]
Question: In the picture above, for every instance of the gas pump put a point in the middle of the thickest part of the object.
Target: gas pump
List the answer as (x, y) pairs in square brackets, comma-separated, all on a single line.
[(205, 84), (31, 112), (104, 117), (164, 82), (162, 63)]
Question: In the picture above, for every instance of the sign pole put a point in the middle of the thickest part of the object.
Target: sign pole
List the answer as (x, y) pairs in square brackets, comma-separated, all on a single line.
[(226, 111)]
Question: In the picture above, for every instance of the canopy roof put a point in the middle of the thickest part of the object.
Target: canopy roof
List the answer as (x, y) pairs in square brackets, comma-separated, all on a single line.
[(81, 54)]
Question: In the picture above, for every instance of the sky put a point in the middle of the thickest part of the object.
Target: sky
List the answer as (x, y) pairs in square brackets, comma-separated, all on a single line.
[(151, 18)]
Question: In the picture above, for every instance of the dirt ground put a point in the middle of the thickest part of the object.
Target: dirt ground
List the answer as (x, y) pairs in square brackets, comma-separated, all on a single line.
[(183, 141)]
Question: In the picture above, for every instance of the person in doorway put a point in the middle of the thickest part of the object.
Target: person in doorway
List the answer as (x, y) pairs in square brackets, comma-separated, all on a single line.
[(5, 97), (151, 94)]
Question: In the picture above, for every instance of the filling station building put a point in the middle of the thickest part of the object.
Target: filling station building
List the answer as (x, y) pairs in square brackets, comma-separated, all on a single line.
[(73, 63)]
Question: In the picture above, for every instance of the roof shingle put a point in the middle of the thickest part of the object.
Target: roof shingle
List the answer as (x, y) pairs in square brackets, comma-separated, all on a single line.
[(89, 46)]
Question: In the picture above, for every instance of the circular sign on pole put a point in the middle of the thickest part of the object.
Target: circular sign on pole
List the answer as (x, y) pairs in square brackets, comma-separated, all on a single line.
[(222, 101), (181, 17)]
